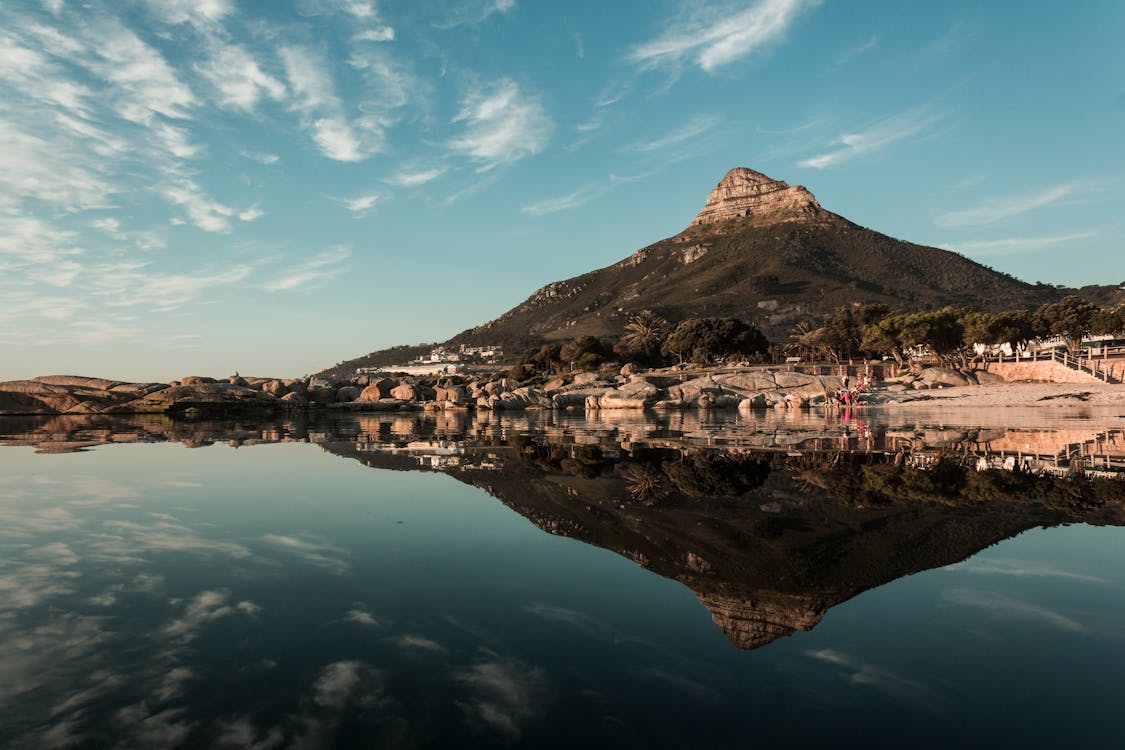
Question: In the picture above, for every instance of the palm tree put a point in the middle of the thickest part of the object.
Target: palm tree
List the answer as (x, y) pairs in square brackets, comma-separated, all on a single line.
[(806, 342), (644, 332)]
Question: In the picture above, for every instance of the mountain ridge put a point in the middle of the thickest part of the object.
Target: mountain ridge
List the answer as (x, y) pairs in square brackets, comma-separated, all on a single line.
[(764, 251)]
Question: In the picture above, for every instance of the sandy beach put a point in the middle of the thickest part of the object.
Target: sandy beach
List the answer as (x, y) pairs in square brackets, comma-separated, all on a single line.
[(1036, 395)]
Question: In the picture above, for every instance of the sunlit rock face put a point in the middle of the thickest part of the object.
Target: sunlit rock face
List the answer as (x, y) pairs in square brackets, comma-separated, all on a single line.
[(746, 194), (752, 624)]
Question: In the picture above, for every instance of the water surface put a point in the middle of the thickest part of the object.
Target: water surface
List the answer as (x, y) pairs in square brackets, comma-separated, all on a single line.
[(390, 582)]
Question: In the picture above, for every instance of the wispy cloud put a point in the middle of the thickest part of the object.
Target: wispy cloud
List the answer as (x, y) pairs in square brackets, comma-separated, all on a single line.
[(361, 205), (1007, 566), (204, 608), (238, 80), (315, 97), (851, 53), (694, 128), (132, 284), (912, 124), (380, 34), (579, 197), (502, 124), (472, 12), (203, 14), (714, 36), (505, 694), (1014, 245), (415, 178), (945, 45), (360, 616), (1010, 608), (251, 214), (862, 672), (311, 274), (144, 84), (202, 211), (415, 642), (994, 209)]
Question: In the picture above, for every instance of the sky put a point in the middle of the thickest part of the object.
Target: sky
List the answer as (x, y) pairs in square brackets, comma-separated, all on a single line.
[(271, 187)]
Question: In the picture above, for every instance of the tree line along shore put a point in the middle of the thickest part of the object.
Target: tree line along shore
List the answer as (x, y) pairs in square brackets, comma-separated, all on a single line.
[(695, 363)]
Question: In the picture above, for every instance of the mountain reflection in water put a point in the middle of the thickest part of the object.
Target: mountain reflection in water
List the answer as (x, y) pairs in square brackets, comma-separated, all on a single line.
[(770, 521)]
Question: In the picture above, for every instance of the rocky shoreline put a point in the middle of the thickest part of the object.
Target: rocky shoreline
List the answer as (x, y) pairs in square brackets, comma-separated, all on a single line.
[(744, 389)]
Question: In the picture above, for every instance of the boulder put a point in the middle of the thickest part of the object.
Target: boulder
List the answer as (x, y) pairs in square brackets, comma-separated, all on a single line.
[(347, 393), (944, 376), (295, 386), (321, 395), (637, 394), (275, 388), (746, 382), (201, 396), (984, 377), (454, 393), (794, 380), (77, 381), (196, 380), (554, 385), (568, 400), (404, 392), (757, 401)]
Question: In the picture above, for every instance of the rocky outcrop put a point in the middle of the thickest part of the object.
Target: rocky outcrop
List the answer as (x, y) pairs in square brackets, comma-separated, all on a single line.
[(749, 195), (753, 624), (759, 388)]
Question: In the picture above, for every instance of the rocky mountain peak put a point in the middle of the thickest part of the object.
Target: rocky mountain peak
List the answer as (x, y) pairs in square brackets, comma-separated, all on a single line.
[(746, 194)]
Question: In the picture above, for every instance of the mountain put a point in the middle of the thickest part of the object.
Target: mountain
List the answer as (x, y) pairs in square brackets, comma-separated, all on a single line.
[(766, 252)]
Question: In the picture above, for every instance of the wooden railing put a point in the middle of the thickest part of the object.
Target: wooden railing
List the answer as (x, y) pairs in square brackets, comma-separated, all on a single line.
[(1101, 367)]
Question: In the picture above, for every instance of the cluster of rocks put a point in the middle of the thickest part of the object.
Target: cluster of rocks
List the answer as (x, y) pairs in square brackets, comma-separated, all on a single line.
[(939, 377), (751, 389)]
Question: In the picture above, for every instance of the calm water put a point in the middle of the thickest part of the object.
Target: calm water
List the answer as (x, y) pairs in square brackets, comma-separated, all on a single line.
[(287, 594)]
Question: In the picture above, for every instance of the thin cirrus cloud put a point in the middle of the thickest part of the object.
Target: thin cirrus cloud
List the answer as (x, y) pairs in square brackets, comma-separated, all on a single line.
[(472, 12), (416, 178), (694, 128), (1014, 245), (311, 274), (501, 124), (853, 52), (719, 36), (912, 124), (237, 78), (202, 211), (1010, 608), (995, 209), (322, 112), (575, 199), (361, 205)]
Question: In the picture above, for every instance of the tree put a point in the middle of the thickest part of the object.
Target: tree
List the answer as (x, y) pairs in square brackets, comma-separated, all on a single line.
[(808, 342), (884, 336), (1012, 328), (703, 340), (843, 329), (643, 335), (1072, 318), (940, 331), (574, 350)]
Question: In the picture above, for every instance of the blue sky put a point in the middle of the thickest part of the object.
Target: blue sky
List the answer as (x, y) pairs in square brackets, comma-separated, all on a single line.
[(205, 186)]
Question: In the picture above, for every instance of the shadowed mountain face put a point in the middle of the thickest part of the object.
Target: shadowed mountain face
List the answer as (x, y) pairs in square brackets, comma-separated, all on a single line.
[(763, 251), (769, 535)]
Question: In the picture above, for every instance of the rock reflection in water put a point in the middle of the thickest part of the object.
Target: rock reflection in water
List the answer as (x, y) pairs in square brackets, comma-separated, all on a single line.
[(770, 520)]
